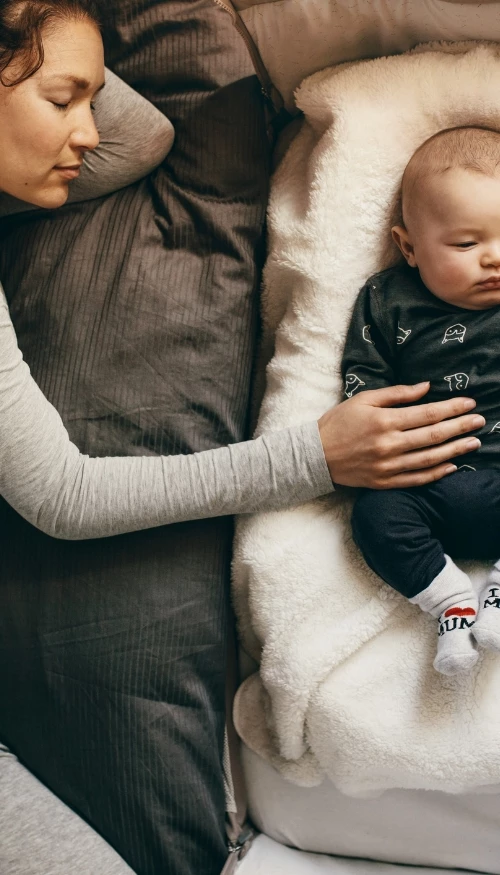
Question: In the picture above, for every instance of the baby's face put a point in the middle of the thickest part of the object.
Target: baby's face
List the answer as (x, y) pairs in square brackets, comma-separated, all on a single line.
[(453, 237)]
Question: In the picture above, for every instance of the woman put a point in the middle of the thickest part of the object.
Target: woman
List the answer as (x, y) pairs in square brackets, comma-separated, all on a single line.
[(52, 60), (46, 127)]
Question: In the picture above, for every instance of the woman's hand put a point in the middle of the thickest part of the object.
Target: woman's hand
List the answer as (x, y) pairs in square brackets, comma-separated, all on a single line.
[(367, 442)]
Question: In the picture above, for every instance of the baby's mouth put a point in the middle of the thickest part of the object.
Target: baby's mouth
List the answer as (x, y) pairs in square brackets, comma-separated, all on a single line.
[(493, 282)]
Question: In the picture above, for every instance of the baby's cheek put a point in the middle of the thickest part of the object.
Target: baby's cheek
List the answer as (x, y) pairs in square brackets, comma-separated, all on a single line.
[(453, 271)]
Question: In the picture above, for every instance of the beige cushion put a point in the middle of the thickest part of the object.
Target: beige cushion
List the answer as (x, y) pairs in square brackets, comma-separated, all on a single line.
[(298, 37)]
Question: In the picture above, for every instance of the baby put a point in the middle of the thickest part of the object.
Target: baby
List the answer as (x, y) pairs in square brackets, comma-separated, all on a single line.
[(437, 318)]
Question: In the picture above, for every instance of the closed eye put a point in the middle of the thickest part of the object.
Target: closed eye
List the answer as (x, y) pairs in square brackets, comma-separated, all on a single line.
[(465, 245)]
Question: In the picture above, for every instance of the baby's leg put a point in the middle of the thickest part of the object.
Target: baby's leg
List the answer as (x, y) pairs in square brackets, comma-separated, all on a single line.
[(394, 531), (487, 630), (486, 532)]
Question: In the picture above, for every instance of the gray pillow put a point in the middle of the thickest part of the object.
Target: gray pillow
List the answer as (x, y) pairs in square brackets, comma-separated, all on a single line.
[(137, 315)]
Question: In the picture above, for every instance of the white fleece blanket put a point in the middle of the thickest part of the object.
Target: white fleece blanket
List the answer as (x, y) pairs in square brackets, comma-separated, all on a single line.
[(346, 676)]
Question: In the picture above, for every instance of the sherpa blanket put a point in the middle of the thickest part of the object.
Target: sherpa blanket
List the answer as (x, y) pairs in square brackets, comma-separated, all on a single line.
[(346, 685)]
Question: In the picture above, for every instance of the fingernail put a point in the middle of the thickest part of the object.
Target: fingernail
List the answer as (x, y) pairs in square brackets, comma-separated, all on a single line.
[(473, 443), (421, 385), (478, 421), (450, 469), (469, 403)]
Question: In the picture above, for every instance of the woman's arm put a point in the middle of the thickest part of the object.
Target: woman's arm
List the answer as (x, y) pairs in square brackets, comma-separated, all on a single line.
[(134, 139), (69, 495)]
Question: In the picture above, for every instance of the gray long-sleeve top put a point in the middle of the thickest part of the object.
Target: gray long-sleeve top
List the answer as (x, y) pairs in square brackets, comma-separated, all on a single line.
[(70, 495)]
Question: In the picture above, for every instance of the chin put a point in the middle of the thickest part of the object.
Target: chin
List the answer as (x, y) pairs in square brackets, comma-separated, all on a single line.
[(51, 200)]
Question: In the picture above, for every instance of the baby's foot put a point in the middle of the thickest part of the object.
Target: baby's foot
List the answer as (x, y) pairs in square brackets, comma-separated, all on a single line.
[(456, 651), (487, 628)]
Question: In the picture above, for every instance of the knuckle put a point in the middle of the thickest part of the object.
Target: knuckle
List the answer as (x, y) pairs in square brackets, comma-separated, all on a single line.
[(380, 421), (421, 479), (436, 435), (384, 467), (431, 413), (379, 448)]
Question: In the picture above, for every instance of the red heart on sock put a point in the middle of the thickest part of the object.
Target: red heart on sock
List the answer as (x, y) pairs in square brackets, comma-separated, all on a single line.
[(460, 612)]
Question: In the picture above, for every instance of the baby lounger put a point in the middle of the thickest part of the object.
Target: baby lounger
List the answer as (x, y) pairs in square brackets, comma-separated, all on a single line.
[(305, 600)]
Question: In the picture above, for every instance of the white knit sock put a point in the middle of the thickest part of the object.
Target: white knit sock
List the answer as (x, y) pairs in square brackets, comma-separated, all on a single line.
[(487, 629), (451, 598)]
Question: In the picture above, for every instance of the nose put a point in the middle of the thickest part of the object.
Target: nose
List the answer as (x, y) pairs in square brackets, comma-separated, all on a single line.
[(491, 255), (84, 136)]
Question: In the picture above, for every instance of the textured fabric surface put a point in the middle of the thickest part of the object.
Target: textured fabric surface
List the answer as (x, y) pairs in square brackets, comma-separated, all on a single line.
[(53, 840), (137, 314)]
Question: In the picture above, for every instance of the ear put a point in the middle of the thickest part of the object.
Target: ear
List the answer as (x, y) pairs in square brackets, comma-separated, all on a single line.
[(402, 240)]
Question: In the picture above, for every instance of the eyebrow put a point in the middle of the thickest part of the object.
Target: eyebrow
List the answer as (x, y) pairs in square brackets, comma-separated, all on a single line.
[(82, 84)]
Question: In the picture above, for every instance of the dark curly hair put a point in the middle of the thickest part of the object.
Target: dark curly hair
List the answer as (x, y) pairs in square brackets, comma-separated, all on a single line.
[(22, 23)]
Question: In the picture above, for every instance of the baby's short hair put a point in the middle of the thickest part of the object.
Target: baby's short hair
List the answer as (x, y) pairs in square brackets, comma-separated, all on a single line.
[(470, 148)]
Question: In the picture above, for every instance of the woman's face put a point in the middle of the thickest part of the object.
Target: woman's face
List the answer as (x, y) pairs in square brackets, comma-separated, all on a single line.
[(46, 122)]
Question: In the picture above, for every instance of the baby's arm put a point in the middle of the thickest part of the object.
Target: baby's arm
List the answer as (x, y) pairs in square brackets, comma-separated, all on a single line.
[(367, 359)]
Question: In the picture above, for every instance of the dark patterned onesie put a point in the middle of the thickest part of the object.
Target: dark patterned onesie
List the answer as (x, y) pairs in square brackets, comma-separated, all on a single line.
[(401, 333)]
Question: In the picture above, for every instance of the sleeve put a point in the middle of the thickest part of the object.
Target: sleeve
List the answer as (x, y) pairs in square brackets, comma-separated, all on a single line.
[(367, 362), (135, 137), (72, 496)]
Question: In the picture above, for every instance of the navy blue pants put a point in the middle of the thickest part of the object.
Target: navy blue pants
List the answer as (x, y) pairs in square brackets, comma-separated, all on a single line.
[(403, 534)]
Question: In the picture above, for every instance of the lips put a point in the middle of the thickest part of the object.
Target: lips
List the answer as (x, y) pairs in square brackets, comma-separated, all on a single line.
[(493, 282), (69, 172), (460, 612)]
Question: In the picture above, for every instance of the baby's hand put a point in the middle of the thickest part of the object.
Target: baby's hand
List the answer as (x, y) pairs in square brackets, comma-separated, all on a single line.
[(369, 441)]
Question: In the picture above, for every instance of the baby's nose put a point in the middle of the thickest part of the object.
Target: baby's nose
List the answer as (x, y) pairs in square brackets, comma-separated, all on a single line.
[(492, 254)]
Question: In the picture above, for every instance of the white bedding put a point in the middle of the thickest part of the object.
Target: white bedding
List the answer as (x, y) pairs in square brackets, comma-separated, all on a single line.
[(298, 37), (411, 827), (267, 857), (346, 663)]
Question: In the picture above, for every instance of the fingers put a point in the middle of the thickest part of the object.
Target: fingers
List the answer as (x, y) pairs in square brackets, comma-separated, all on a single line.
[(417, 478), (441, 431), (430, 458), (437, 411), (391, 396)]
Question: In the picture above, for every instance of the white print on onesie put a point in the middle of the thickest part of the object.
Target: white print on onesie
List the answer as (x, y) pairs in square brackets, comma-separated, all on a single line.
[(402, 334), (454, 332), (352, 383), (366, 334), (496, 427), (457, 382)]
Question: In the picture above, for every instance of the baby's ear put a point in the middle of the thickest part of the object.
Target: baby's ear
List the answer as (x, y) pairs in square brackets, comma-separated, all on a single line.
[(402, 240)]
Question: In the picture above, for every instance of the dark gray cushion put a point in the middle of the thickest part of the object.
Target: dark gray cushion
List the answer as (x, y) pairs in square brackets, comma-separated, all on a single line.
[(137, 315)]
